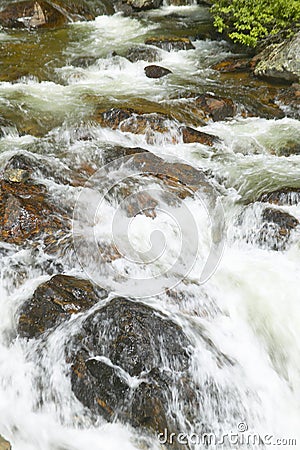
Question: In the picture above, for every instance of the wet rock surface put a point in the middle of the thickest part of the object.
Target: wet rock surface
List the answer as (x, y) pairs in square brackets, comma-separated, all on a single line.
[(50, 14), (215, 107), (234, 65), (119, 369), (55, 301), (32, 14), (276, 229), (84, 61), (143, 53), (283, 196), (156, 71), (268, 228), (25, 210), (189, 136), (170, 43), (133, 121)]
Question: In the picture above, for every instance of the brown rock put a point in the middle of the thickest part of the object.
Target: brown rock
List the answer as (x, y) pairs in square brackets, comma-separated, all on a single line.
[(143, 53), (129, 338), (156, 71), (290, 98), (215, 107), (189, 135), (55, 301), (32, 14), (170, 43), (129, 120), (277, 227), (283, 196), (4, 444), (234, 65), (25, 212)]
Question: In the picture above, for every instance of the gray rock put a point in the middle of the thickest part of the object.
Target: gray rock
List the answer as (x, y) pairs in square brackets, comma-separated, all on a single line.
[(280, 61)]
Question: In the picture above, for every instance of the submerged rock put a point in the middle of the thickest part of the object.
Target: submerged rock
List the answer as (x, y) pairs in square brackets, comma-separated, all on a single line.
[(127, 360), (280, 61), (289, 99), (143, 53), (283, 196), (84, 61), (269, 228), (55, 301), (234, 65), (190, 135), (276, 229), (170, 43), (214, 107), (143, 5), (4, 444), (132, 121), (156, 71)]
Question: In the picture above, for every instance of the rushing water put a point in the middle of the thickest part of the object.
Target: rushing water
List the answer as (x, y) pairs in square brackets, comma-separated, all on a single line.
[(249, 308)]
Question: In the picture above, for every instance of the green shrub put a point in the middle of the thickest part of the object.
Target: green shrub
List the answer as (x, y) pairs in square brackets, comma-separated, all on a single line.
[(248, 21)]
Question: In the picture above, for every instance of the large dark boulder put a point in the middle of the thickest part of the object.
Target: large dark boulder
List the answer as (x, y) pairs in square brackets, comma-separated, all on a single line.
[(154, 71), (190, 135), (126, 360), (54, 301)]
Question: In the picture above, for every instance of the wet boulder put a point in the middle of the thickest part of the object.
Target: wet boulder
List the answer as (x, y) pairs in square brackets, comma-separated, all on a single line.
[(169, 44), (269, 228), (156, 71), (214, 107), (143, 53), (84, 61), (276, 229), (32, 14), (280, 61), (143, 5), (190, 135), (126, 361), (234, 65), (290, 99), (283, 196), (25, 210), (133, 121), (54, 301)]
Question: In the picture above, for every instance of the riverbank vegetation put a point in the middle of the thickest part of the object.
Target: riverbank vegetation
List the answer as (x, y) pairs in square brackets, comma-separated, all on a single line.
[(249, 21)]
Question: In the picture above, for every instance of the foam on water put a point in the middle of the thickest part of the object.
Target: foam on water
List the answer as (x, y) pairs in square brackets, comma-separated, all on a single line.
[(249, 309)]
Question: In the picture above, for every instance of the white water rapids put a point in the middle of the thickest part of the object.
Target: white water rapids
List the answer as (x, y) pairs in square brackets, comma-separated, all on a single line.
[(249, 308)]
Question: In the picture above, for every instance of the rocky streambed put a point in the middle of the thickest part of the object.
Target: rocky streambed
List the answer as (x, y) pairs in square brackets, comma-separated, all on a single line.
[(149, 226)]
